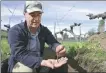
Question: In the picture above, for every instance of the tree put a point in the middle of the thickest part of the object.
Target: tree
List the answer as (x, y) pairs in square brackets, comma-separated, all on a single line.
[(65, 36), (101, 26), (91, 32)]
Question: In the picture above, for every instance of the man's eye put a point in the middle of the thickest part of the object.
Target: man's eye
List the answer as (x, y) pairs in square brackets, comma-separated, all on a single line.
[(32, 14)]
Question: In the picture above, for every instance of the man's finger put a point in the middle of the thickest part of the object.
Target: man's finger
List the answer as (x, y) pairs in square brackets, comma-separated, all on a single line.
[(59, 48), (62, 51)]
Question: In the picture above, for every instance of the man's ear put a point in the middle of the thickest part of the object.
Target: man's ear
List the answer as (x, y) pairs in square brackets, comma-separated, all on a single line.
[(24, 13)]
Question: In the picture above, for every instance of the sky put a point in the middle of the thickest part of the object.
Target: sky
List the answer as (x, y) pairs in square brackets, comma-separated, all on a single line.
[(61, 13)]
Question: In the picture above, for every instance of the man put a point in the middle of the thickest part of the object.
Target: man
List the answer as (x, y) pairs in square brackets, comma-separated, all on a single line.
[(27, 41)]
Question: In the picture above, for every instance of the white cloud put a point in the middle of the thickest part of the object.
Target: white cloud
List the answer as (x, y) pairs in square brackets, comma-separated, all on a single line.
[(71, 12), (6, 15), (63, 8)]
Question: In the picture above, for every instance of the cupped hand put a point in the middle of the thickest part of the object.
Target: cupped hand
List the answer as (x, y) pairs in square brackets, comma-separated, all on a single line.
[(58, 63), (47, 63)]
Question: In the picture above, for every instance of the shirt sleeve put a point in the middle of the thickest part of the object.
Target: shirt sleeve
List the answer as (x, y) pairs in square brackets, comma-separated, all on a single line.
[(50, 40), (19, 51)]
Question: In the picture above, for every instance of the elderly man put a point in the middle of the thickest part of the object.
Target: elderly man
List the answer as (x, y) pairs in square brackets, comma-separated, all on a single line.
[(27, 41)]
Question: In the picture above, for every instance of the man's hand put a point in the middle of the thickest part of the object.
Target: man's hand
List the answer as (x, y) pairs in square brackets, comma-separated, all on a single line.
[(47, 63), (59, 63), (53, 63), (60, 51)]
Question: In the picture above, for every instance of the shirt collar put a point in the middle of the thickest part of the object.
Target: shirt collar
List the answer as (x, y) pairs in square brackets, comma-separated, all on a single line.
[(37, 32)]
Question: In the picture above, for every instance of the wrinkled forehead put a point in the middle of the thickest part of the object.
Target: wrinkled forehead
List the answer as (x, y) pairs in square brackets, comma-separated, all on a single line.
[(35, 13)]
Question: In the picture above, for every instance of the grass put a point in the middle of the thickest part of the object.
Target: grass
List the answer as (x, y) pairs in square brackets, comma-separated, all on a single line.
[(4, 48), (71, 48), (89, 55), (86, 53)]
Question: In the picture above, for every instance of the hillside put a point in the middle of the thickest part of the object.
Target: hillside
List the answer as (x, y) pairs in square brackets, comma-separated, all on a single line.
[(100, 38)]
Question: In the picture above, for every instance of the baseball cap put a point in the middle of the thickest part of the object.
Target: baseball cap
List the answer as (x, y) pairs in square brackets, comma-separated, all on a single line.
[(31, 6)]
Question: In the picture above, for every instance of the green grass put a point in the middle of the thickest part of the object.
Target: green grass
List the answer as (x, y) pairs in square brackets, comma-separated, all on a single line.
[(89, 50), (88, 54), (72, 49), (4, 48), (3, 33)]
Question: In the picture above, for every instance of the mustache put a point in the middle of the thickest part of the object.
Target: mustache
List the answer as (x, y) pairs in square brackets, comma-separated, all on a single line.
[(35, 22)]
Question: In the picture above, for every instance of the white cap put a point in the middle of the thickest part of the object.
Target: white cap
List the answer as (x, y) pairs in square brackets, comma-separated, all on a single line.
[(31, 6)]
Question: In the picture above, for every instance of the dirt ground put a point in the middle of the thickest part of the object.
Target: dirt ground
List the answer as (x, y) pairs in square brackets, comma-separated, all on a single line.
[(72, 65), (101, 38)]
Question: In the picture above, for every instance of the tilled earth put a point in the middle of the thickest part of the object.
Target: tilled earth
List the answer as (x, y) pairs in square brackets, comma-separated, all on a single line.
[(83, 64), (101, 38)]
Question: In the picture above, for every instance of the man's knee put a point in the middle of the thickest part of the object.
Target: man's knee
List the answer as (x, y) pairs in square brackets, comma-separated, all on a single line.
[(19, 67)]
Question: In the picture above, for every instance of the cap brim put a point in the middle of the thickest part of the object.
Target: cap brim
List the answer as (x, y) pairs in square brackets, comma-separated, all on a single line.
[(33, 10)]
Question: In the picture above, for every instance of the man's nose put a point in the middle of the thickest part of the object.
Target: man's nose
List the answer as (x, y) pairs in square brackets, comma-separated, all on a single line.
[(35, 19)]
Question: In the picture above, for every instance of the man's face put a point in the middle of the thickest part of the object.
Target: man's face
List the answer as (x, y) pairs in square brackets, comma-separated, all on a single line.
[(33, 19)]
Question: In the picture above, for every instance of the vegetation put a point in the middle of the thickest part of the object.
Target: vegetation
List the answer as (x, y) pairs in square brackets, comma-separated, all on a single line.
[(89, 54), (91, 32), (3, 34), (4, 48), (101, 27)]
